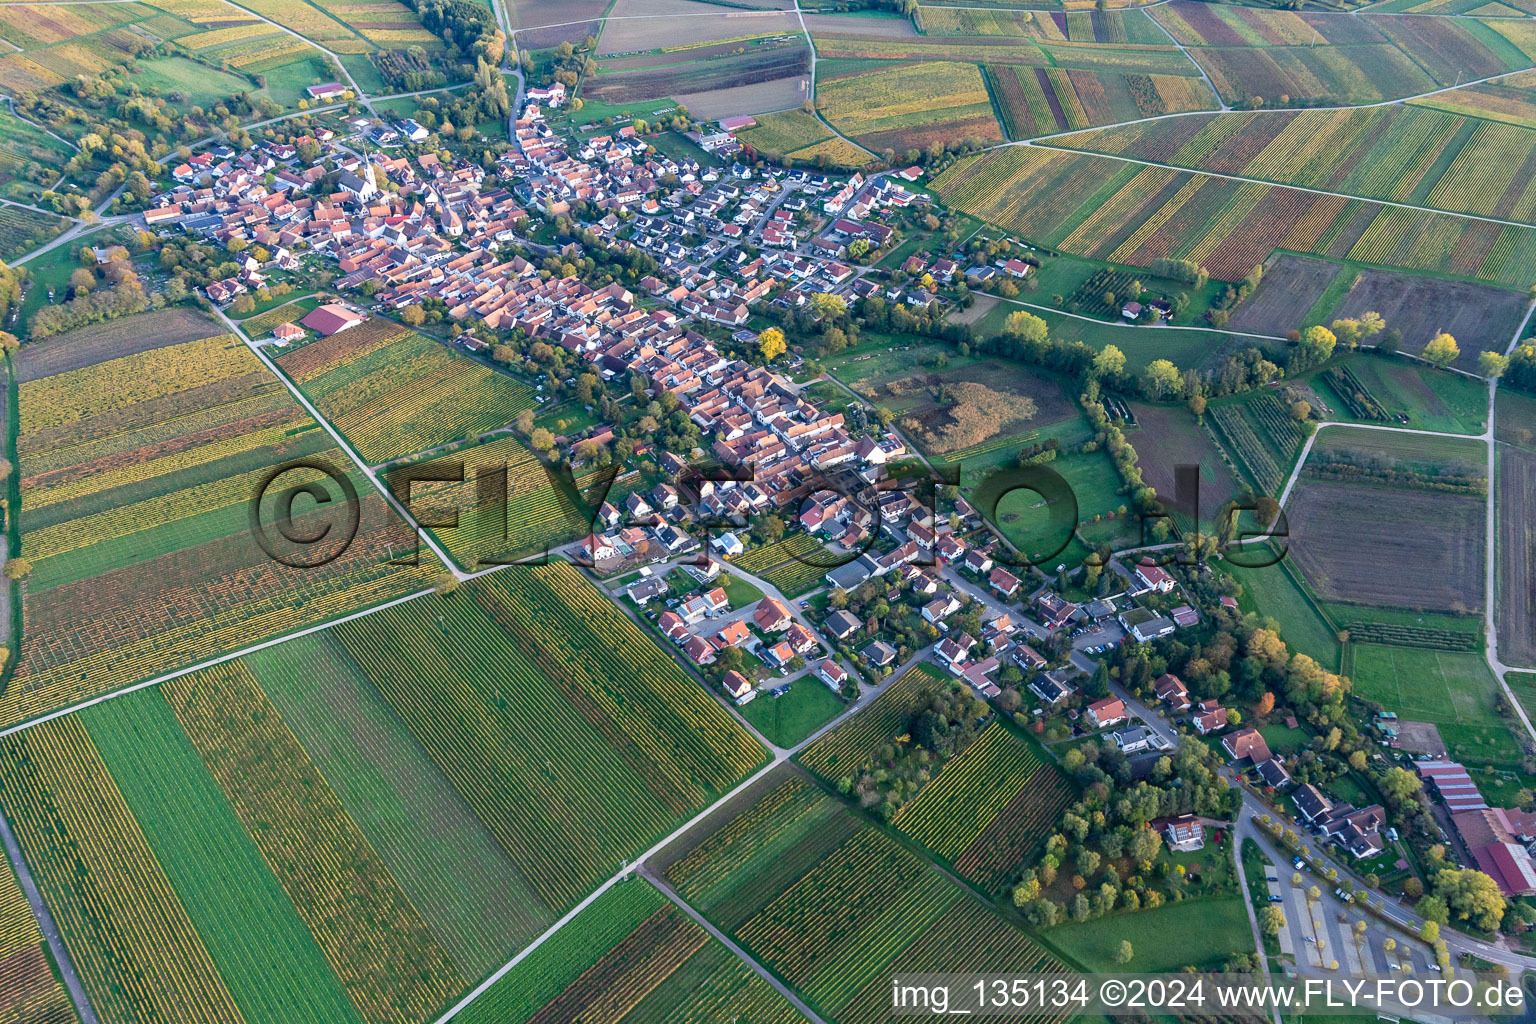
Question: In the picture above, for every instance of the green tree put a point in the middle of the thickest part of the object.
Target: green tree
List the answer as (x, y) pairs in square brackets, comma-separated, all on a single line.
[(1271, 920), (1110, 362), (1492, 364), (1026, 327), (1317, 344), (1442, 349), (1472, 896), (542, 439), (1162, 379), (1124, 954)]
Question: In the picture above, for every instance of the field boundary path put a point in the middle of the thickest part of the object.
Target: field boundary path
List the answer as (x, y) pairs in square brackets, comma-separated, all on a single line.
[(47, 925), (777, 758), (665, 888), (810, 41), (1491, 543), (341, 441)]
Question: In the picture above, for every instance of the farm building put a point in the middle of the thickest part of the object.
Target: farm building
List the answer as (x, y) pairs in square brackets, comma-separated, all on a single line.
[(1495, 837), (332, 318)]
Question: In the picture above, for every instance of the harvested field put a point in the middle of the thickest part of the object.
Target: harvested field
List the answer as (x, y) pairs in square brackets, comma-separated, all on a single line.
[(545, 38), (638, 25), (1291, 286), (110, 340), (1169, 437), (980, 308), (860, 26), (1517, 557), (776, 94), (1382, 546), (528, 14), (754, 68), (1479, 316), (999, 398)]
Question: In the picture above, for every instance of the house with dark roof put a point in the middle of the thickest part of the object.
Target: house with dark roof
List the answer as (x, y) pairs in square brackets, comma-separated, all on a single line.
[(1054, 610), (1051, 687), (879, 654), (1273, 773), (841, 624), (1311, 805)]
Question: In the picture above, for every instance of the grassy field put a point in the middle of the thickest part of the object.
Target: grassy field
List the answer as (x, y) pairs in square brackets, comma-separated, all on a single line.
[(1431, 399), (789, 719), (1277, 593), (1456, 692), (1209, 932)]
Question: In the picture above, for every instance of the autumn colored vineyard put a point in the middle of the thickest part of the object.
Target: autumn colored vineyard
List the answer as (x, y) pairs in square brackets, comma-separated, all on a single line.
[(1110, 210), (394, 392), (588, 742), (632, 956), (137, 953), (851, 745), (834, 906), (380, 949), (997, 788), (29, 991), (136, 477)]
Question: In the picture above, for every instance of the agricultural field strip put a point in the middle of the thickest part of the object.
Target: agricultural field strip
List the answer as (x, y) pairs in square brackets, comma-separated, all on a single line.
[(811, 78), (779, 756), (356, 89), (1207, 113), (1500, 670), (357, 459), (1038, 144), (1204, 75)]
